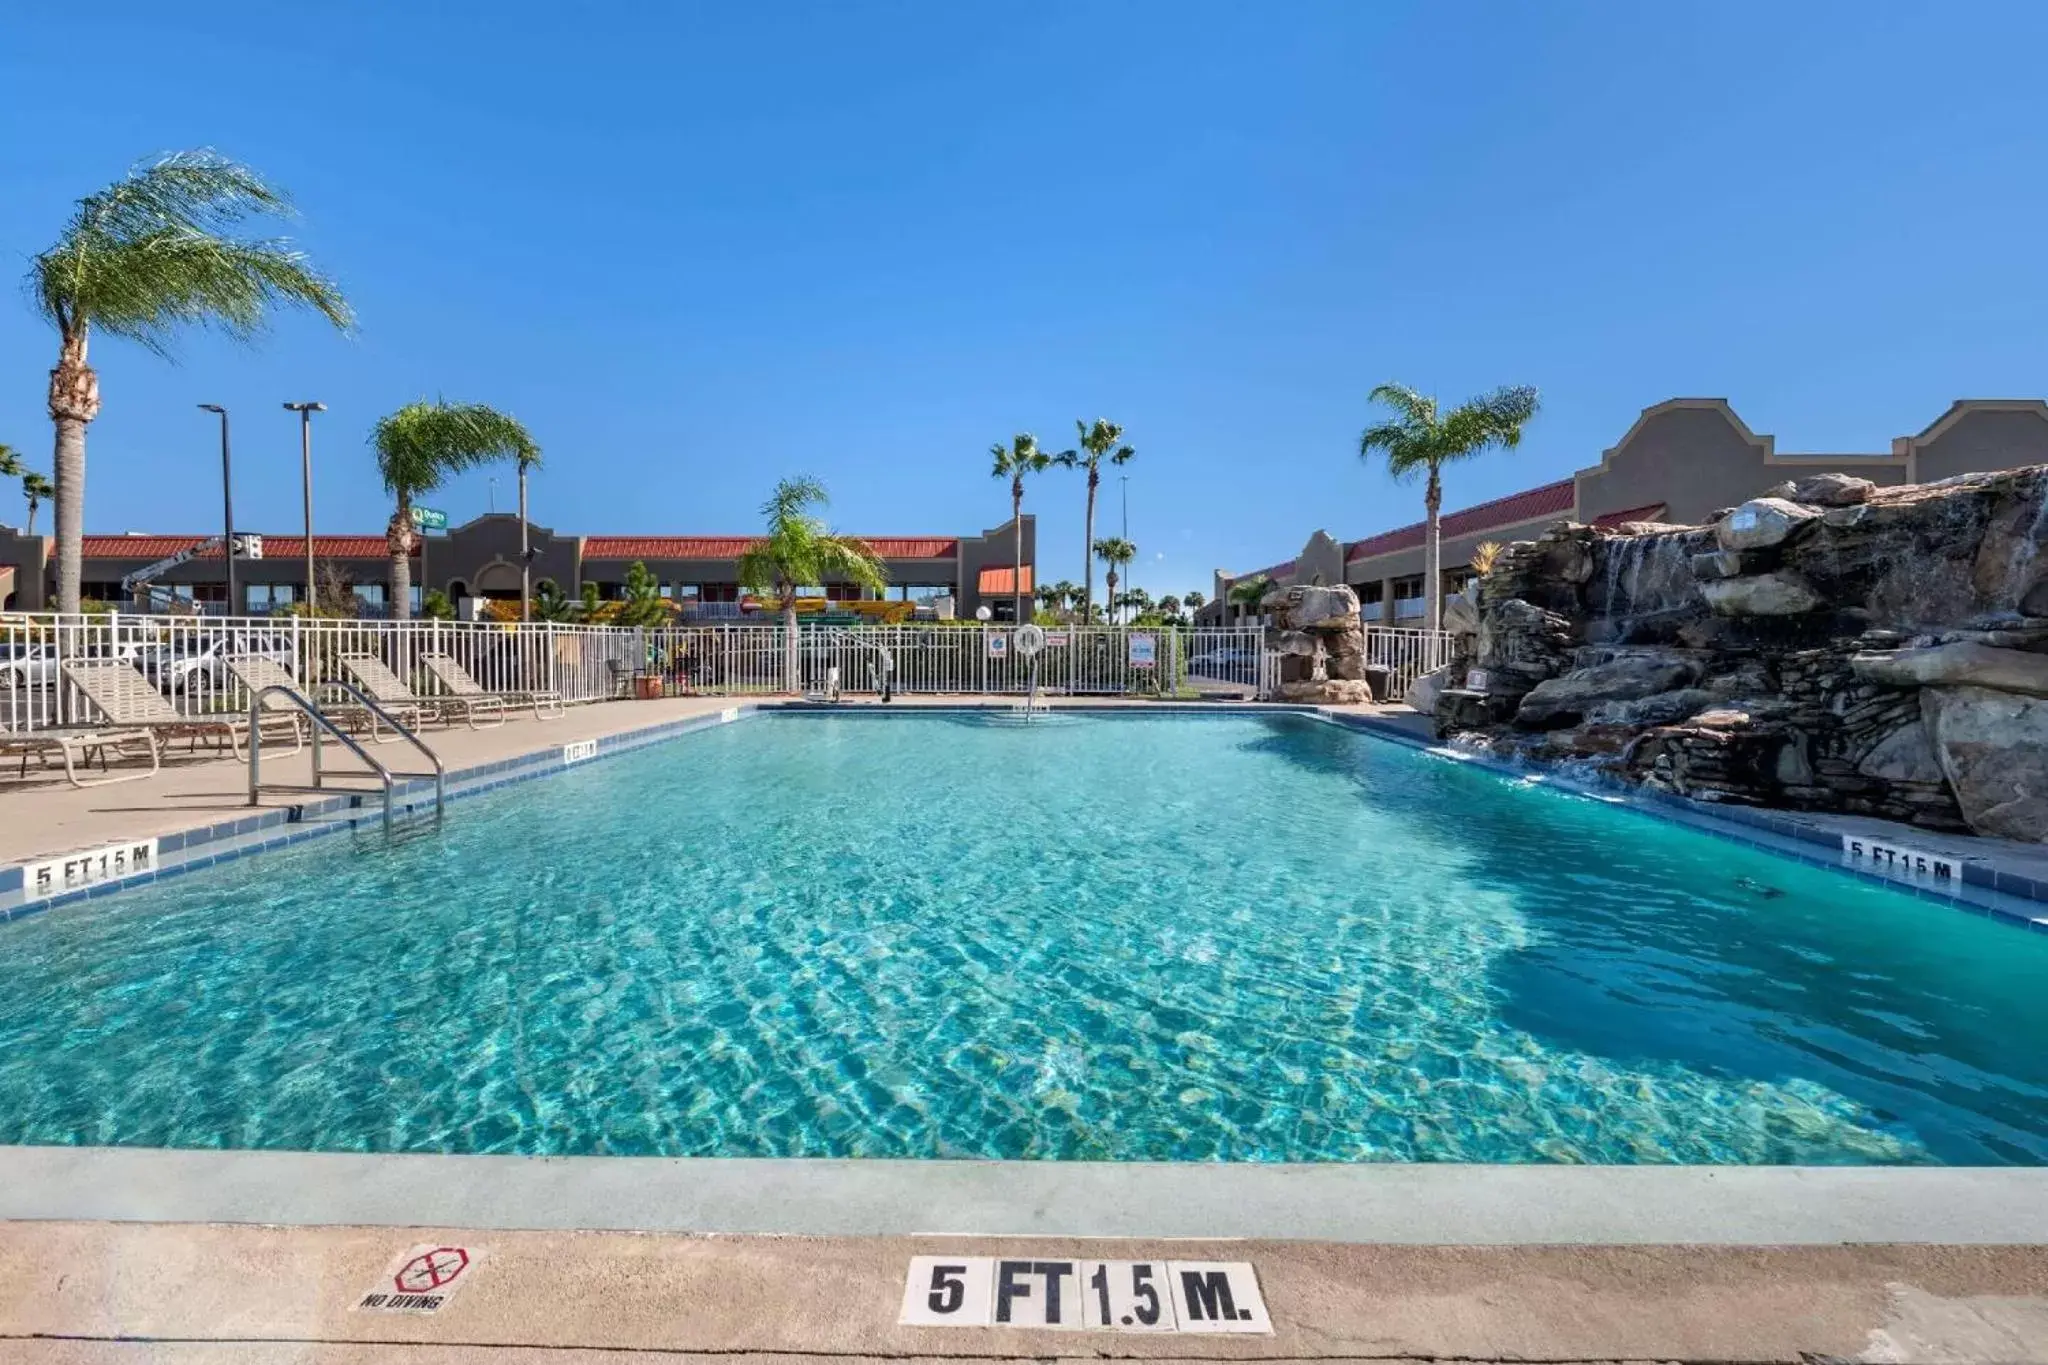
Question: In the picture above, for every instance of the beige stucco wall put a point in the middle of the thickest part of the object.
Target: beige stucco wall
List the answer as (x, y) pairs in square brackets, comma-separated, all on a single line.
[(1696, 456), (1979, 437)]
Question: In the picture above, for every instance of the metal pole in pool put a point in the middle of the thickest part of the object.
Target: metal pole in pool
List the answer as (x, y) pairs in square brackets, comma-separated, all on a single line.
[(227, 502)]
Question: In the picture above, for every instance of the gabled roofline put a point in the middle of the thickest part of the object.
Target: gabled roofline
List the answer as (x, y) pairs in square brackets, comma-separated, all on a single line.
[(1957, 411)]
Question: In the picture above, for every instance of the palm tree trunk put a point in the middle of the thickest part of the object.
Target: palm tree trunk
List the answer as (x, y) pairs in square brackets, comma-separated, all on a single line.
[(400, 538), (525, 555), (1432, 553), (32, 504), (1088, 548), (1109, 602), (1017, 538), (74, 401)]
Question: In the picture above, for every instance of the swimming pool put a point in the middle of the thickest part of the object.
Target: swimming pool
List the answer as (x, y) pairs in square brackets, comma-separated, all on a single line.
[(1229, 937)]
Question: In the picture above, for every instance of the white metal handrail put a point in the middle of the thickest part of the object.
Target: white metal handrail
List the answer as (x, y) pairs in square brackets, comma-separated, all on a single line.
[(323, 722)]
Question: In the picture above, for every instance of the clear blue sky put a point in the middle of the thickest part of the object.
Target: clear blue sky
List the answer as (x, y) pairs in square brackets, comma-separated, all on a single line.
[(697, 247)]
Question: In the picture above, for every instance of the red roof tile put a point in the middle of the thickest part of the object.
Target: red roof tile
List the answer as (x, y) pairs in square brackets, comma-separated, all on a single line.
[(732, 547), (1653, 512), (1550, 500), (291, 545)]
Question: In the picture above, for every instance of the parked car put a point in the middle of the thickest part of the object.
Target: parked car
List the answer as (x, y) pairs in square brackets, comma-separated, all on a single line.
[(199, 662), (27, 665), (1226, 659)]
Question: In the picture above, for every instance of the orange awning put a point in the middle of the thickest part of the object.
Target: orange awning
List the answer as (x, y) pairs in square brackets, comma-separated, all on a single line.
[(996, 582)]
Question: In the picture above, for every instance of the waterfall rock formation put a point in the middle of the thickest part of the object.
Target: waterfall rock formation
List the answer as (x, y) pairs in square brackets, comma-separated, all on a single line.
[(1830, 646), (1320, 638)]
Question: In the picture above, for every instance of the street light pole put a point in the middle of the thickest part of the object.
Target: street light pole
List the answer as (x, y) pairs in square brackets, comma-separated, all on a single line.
[(305, 412), (227, 502)]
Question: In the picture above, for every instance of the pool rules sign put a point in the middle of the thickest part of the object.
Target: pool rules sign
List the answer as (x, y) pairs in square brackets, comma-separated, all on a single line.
[(1074, 1295)]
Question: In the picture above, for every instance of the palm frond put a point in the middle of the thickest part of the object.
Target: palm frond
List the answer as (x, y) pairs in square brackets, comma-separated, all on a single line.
[(11, 466), (157, 250), (422, 443)]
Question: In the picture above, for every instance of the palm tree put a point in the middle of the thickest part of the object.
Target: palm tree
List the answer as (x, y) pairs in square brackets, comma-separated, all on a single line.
[(1113, 551), (11, 466), (1247, 593), (1193, 601), (799, 549), (1421, 438), (528, 459), (1099, 441), (38, 490), (1169, 605), (150, 253), (420, 445), (1022, 456)]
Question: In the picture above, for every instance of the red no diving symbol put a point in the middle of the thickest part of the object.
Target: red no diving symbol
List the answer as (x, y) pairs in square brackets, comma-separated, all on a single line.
[(430, 1270)]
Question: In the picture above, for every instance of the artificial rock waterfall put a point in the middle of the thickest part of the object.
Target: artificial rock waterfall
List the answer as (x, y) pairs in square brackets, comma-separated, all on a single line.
[(1830, 646)]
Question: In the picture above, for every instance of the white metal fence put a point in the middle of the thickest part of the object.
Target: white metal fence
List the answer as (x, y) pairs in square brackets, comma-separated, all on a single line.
[(186, 657), (1090, 661), (1408, 653)]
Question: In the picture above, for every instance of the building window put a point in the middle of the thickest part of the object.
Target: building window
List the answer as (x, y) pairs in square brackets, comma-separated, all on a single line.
[(924, 594), (1408, 603), (269, 597), (1373, 593)]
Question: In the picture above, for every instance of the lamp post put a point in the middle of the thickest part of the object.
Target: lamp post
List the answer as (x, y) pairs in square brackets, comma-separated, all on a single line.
[(227, 501), (305, 412)]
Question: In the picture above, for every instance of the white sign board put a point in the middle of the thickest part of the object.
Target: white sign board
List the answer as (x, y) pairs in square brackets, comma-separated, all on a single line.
[(54, 876), (579, 751), (1055, 639), (998, 646), (1899, 859), (1059, 1294), (420, 1279), (1476, 680), (1144, 651)]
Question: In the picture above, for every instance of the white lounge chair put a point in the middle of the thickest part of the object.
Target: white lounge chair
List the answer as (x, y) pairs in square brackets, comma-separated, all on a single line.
[(129, 701), (74, 746), (457, 681), (387, 690)]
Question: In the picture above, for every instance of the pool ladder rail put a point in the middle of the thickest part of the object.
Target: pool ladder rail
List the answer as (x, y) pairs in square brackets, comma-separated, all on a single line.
[(322, 722)]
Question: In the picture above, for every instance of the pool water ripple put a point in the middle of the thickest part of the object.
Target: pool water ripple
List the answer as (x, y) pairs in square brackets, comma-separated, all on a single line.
[(1214, 938)]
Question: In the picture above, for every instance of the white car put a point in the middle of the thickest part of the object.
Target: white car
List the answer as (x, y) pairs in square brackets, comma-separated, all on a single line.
[(27, 665), (200, 662)]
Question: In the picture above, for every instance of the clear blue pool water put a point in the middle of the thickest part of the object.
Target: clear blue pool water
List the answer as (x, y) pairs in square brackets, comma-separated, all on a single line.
[(1228, 937)]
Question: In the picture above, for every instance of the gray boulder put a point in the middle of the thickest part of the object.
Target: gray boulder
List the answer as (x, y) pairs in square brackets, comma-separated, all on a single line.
[(1993, 747), (1905, 755), (1461, 614), (1307, 607), (1962, 664), (1783, 593), (1564, 701), (1422, 693), (1763, 522), (1825, 490)]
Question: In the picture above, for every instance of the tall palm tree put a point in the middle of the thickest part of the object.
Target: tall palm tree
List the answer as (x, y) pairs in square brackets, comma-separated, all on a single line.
[(1022, 456), (1193, 601), (528, 459), (1114, 551), (38, 490), (799, 549), (1100, 440), (420, 445), (1419, 438), (150, 253)]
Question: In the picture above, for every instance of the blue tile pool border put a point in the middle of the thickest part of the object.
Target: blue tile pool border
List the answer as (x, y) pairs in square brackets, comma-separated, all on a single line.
[(1984, 888), (277, 827)]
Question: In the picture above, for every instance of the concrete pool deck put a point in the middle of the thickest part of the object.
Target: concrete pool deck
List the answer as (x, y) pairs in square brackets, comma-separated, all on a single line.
[(86, 1292)]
